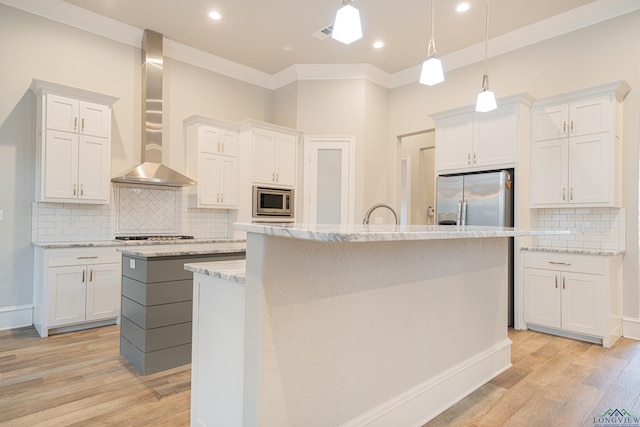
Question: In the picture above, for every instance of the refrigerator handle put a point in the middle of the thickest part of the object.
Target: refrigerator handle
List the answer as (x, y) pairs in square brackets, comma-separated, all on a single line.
[(459, 216), (463, 220)]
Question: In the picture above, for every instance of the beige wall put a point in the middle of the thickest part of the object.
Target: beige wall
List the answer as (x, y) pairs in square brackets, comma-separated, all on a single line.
[(34, 47), (47, 50), (600, 54)]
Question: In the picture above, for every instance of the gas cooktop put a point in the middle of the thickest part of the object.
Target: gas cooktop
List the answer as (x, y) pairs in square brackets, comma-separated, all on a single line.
[(160, 237)]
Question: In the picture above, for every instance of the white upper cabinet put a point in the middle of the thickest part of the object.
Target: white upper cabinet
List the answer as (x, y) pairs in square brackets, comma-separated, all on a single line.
[(468, 141), (76, 116), (273, 157), (218, 141), (577, 147), (578, 118), (212, 147), (73, 144)]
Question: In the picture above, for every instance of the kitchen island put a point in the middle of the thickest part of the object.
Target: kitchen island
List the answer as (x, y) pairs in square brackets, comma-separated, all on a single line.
[(155, 331), (349, 325)]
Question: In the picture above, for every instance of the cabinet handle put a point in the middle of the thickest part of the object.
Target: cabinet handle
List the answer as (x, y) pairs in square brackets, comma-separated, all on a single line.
[(469, 158), (559, 263), (82, 126), (277, 177), (571, 193), (75, 124), (84, 272), (556, 281), (564, 193), (572, 128), (91, 275), (563, 286), (87, 257), (82, 189), (475, 158), (222, 143), (75, 190)]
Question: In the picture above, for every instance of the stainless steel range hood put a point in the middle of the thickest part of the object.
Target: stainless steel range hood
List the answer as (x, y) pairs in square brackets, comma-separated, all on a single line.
[(152, 171)]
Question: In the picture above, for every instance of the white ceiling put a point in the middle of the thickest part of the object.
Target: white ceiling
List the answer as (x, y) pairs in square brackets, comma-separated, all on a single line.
[(252, 32)]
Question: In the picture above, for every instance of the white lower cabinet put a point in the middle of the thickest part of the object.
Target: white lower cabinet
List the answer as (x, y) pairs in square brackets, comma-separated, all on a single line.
[(74, 288), (573, 295)]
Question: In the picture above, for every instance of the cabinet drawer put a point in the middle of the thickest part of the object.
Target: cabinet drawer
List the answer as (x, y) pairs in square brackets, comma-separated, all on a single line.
[(590, 264), (61, 257)]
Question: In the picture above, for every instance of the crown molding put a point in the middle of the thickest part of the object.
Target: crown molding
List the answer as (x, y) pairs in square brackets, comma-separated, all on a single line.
[(591, 13)]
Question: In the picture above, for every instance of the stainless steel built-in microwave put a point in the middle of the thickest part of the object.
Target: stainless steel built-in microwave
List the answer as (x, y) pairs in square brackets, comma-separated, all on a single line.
[(272, 202)]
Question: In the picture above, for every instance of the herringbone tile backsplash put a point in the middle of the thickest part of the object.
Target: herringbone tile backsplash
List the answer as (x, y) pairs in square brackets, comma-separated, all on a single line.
[(147, 210)]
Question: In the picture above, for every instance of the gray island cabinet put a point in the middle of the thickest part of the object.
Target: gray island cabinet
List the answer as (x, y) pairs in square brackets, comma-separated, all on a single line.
[(157, 294)]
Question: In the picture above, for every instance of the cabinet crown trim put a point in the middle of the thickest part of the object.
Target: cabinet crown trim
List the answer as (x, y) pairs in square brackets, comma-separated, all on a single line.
[(217, 123), (40, 86), (619, 88), (521, 98)]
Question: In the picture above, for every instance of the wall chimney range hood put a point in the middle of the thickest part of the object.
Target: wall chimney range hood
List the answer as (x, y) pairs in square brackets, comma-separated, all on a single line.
[(151, 171)]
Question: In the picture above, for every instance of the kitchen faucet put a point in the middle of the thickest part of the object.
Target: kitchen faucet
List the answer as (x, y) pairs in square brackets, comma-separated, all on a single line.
[(380, 205)]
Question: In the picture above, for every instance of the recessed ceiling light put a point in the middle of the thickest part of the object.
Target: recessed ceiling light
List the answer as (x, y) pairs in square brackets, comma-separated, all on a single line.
[(378, 44), (288, 47), (462, 7), (215, 15)]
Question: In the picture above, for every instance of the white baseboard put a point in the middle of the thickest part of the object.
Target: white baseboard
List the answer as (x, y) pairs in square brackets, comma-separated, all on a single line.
[(424, 402), (631, 328), (16, 317)]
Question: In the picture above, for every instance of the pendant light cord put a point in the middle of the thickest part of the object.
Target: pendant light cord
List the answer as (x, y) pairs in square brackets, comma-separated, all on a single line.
[(431, 50), (486, 39)]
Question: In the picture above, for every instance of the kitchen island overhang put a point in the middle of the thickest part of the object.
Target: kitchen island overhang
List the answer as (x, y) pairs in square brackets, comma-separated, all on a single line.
[(357, 325)]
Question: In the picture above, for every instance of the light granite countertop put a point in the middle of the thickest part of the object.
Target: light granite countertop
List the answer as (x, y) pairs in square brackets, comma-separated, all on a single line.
[(234, 271), (184, 249), (385, 232), (602, 252), (118, 243)]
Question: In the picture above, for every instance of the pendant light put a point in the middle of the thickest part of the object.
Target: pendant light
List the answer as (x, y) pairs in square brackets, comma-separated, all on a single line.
[(432, 73), (486, 99), (347, 28)]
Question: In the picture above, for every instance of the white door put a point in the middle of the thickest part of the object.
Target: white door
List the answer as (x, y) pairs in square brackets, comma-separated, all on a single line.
[(329, 180), (103, 291)]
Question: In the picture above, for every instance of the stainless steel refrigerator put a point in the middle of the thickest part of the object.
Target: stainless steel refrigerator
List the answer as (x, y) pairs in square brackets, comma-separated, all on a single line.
[(478, 199), (475, 199)]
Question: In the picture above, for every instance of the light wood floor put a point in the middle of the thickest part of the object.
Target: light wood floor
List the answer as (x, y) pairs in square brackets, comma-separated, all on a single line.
[(79, 379)]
